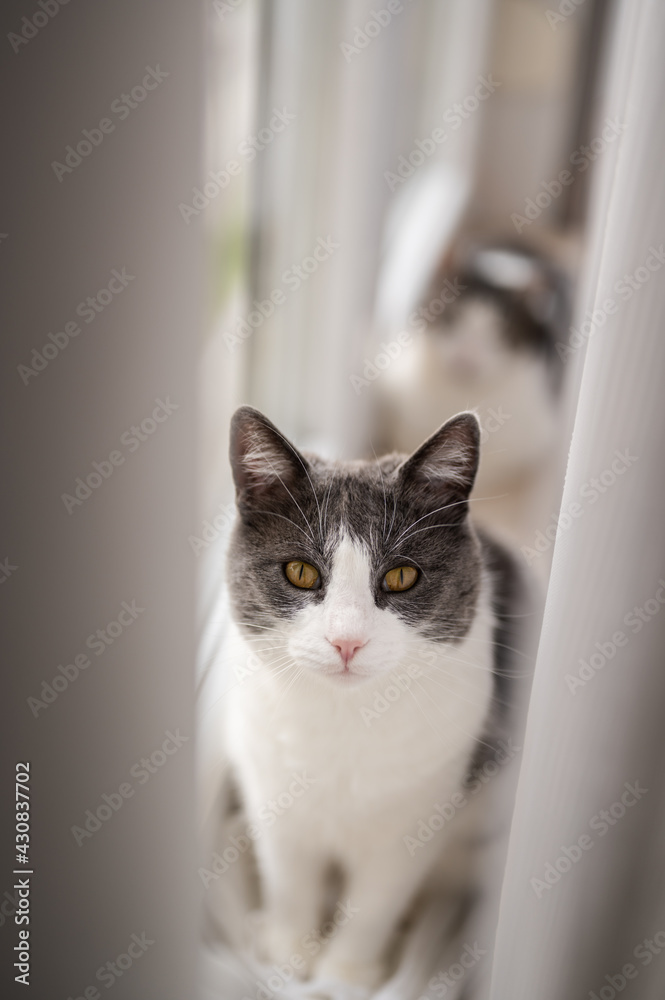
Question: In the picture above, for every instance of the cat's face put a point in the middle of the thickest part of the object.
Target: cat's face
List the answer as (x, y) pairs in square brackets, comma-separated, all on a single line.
[(512, 306), (471, 344), (347, 568)]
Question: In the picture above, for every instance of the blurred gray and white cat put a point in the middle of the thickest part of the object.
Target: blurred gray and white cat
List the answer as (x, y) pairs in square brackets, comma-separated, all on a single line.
[(484, 339), (379, 626)]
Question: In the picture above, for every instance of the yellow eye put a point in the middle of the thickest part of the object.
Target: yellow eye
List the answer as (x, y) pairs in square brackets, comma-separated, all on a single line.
[(401, 578), (301, 574)]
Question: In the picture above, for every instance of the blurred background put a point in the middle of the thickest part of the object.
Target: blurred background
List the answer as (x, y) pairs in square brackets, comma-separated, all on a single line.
[(395, 205)]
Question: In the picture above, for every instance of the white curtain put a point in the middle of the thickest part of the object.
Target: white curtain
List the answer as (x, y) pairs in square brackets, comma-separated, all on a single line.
[(324, 178), (583, 888)]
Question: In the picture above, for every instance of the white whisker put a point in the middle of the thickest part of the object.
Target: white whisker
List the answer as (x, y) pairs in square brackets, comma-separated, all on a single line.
[(446, 507)]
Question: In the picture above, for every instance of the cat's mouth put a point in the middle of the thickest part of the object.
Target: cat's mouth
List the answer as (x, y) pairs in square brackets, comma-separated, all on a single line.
[(347, 675)]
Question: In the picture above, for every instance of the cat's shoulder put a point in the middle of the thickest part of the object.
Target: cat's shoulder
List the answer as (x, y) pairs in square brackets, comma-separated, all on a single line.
[(517, 605)]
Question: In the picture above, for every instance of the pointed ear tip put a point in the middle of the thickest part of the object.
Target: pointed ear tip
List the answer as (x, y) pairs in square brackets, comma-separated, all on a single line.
[(243, 416), (468, 420), (468, 416), (245, 412)]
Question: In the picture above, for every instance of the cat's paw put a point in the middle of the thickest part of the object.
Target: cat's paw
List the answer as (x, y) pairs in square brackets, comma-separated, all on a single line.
[(281, 944), (368, 975)]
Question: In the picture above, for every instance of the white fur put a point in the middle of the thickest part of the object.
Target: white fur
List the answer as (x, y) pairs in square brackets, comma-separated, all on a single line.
[(471, 367), (372, 781)]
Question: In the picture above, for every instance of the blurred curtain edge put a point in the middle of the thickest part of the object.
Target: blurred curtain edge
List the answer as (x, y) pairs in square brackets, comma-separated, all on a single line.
[(566, 936)]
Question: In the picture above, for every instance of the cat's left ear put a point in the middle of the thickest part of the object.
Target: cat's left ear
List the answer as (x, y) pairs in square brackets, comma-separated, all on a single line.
[(448, 460), (262, 459)]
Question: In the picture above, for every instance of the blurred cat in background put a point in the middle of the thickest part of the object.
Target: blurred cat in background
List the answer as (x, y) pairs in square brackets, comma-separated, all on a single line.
[(485, 336)]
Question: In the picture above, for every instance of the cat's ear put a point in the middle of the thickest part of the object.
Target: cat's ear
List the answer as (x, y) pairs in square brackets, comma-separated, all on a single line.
[(448, 460), (261, 457)]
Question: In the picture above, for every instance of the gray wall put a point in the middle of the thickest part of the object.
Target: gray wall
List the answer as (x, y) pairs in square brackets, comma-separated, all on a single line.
[(61, 240)]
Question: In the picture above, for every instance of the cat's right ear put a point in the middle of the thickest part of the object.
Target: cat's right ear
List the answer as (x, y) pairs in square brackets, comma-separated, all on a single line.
[(448, 461), (262, 459)]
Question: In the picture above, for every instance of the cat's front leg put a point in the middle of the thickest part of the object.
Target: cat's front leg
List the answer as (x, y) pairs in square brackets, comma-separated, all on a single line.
[(292, 890), (378, 892)]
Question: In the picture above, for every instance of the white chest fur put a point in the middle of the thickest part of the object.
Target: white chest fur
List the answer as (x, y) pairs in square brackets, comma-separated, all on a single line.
[(385, 749)]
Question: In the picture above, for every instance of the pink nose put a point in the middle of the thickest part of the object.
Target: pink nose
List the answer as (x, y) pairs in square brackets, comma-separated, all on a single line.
[(347, 648)]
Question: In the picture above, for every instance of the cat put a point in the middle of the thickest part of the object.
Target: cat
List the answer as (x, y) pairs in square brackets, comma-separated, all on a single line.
[(377, 622), (485, 338)]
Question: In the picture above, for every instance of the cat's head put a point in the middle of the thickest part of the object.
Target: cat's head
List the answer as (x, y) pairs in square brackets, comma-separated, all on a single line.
[(509, 302), (346, 567)]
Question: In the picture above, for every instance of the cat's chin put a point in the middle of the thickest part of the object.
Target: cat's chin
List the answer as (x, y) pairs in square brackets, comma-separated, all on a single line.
[(347, 678)]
